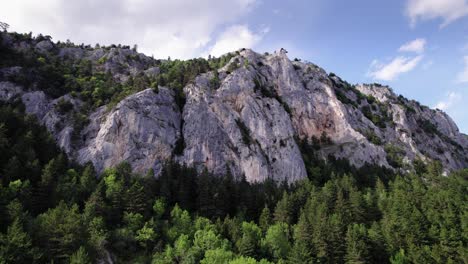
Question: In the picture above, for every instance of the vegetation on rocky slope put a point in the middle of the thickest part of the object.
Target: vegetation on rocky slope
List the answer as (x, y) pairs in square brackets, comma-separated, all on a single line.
[(54, 210), (96, 80)]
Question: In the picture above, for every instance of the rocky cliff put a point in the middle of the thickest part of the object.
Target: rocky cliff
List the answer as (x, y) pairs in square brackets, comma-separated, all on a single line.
[(246, 117)]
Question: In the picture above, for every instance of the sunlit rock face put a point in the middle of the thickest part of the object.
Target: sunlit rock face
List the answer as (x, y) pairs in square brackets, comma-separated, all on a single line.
[(142, 130), (248, 122)]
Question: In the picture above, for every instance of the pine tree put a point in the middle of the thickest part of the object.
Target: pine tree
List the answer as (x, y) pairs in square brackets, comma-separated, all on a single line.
[(206, 191), (135, 199), (276, 241), (88, 180), (16, 245), (302, 250), (400, 258), (80, 257), (282, 210), (265, 218), (357, 244), (377, 243), (60, 231), (248, 244), (225, 201), (335, 234), (95, 205)]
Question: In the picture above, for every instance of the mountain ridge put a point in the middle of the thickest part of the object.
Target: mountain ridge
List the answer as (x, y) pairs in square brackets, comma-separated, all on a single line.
[(249, 116)]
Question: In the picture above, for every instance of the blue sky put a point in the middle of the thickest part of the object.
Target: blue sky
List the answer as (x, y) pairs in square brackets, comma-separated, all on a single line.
[(418, 47)]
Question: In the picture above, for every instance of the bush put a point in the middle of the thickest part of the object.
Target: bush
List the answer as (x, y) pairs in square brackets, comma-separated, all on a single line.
[(428, 127), (215, 82), (372, 137), (394, 155), (233, 66)]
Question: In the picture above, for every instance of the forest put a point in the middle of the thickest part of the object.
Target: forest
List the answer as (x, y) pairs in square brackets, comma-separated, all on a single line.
[(53, 210)]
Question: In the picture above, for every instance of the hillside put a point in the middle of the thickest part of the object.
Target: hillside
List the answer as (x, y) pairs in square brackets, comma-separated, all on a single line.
[(252, 114), (258, 160)]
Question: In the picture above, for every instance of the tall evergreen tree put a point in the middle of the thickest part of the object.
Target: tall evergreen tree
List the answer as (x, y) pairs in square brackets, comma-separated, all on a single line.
[(16, 245), (136, 200), (265, 219), (357, 244), (282, 210)]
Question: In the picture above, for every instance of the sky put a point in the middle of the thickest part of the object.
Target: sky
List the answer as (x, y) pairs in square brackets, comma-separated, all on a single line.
[(417, 47)]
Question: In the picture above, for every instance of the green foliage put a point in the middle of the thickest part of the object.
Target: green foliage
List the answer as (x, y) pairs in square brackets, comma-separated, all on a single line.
[(234, 65), (215, 256), (80, 257), (276, 241), (379, 118), (372, 137), (60, 231), (340, 95), (394, 155), (90, 80), (428, 127), (282, 210), (215, 82), (16, 245), (249, 242), (159, 208), (270, 92), (357, 250), (265, 219), (52, 210), (180, 223)]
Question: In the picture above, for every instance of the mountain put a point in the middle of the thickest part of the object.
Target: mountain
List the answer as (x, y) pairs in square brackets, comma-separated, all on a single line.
[(244, 113)]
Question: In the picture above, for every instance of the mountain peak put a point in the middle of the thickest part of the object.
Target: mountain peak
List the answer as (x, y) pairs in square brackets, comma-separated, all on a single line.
[(255, 115)]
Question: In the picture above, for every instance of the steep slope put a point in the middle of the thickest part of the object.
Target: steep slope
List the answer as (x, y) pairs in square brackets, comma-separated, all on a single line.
[(247, 117), (142, 129)]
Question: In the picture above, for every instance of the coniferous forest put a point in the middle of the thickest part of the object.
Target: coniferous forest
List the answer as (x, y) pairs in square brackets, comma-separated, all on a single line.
[(55, 211)]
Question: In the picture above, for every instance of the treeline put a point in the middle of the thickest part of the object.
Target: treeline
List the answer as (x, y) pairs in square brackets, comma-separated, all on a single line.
[(91, 80), (52, 210)]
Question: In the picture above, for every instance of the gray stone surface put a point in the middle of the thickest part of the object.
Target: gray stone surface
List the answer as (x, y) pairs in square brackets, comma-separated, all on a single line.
[(248, 124)]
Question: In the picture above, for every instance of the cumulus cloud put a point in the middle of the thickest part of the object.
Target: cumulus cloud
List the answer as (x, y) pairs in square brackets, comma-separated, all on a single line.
[(416, 45), (400, 64), (449, 101), (176, 28), (447, 10), (234, 38), (463, 75), (390, 71)]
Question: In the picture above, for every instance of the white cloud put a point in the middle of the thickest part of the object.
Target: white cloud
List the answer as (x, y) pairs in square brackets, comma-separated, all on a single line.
[(447, 10), (391, 70), (449, 101), (463, 75), (176, 28), (234, 38), (416, 45)]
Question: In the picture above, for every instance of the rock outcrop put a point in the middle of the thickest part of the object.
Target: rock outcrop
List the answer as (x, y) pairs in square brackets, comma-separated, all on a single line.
[(142, 130), (248, 122)]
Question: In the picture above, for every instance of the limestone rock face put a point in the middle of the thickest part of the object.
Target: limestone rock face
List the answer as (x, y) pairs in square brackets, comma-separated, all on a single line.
[(38, 104), (233, 128), (8, 91), (269, 99), (249, 123), (142, 130)]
